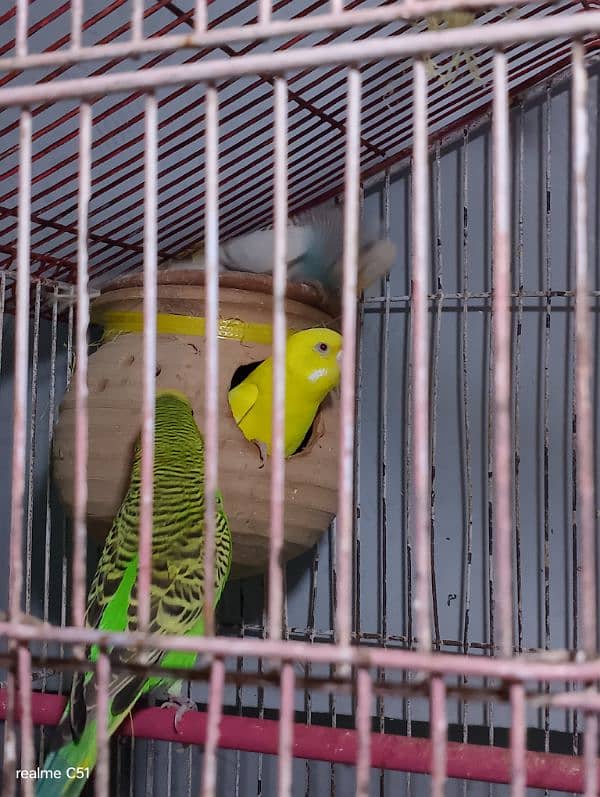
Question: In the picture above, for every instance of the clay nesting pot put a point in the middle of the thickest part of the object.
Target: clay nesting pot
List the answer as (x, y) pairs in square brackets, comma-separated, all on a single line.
[(115, 397)]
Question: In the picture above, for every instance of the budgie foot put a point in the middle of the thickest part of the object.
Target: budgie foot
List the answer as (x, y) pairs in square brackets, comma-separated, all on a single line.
[(183, 705), (262, 452)]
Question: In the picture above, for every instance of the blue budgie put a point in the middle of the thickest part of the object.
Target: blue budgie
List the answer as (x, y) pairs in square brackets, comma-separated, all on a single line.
[(315, 244), (315, 247)]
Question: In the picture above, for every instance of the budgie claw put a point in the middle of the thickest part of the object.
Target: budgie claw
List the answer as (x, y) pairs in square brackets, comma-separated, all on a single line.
[(183, 705), (262, 452)]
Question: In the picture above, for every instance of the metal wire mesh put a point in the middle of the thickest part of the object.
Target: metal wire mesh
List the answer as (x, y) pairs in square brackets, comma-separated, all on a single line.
[(467, 517)]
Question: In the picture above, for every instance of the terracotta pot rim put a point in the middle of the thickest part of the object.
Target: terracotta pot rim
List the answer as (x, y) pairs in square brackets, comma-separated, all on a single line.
[(256, 283)]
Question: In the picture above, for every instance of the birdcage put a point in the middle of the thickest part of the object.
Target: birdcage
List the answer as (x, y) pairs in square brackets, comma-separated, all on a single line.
[(442, 634)]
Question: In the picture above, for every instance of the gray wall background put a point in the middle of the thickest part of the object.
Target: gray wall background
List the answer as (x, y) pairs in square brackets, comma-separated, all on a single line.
[(543, 255)]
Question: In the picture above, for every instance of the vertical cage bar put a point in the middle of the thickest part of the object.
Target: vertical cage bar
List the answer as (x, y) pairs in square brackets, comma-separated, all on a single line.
[(2, 306), (27, 747), (583, 354), (344, 523), (518, 740), (279, 347), (260, 696), (8, 757), (200, 16), (48, 537), (435, 359), (21, 32), (439, 735), (310, 632), (76, 23), (546, 448), (466, 418), (421, 516), (102, 771), (264, 11), (32, 445), (384, 466), (21, 368), (517, 379), (149, 363), (81, 355), (332, 547), (407, 471), (64, 570), (239, 689), (501, 352), (211, 375), (149, 768), (590, 753), (19, 442), (215, 701), (356, 530), (137, 20), (286, 730), (363, 727), (574, 541), (489, 706)]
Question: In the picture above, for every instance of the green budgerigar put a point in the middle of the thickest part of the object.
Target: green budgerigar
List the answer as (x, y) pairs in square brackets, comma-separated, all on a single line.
[(176, 593)]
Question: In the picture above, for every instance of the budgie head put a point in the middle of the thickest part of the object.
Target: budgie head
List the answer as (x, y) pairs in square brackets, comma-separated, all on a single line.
[(172, 409), (172, 398), (314, 355)]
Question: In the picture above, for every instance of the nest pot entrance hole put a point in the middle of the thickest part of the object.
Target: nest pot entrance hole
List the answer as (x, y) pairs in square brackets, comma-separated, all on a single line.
[(241, 372)]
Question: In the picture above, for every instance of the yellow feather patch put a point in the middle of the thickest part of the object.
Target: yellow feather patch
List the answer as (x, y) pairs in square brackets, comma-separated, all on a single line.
[(241, 399)]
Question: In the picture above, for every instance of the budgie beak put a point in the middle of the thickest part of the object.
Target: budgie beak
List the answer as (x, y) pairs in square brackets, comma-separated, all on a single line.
[(338, 357)]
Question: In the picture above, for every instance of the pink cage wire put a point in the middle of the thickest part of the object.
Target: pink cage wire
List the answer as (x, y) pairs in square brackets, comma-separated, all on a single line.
[(52, 243)]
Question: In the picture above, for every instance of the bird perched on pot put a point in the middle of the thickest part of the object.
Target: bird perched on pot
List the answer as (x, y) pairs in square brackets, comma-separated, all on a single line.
[(312, 371), (453, 19), (315, 246), (457, 19), (176, 590)]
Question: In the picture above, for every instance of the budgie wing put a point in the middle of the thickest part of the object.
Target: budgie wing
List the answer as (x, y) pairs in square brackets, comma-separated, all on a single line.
[(241, 399), (374, 262), (254, 251)]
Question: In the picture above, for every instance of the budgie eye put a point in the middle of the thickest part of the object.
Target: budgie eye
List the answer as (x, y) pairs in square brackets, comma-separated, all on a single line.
[(322, 348)]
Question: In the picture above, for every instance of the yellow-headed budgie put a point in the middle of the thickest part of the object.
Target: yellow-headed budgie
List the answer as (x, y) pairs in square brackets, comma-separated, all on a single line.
[(312, 370)]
